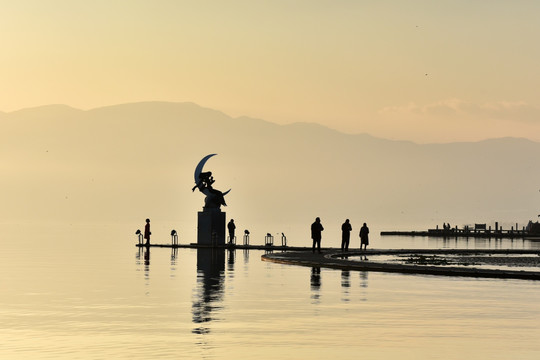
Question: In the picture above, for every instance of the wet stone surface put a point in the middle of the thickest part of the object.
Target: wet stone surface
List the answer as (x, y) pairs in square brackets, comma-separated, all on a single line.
[(470, 260)]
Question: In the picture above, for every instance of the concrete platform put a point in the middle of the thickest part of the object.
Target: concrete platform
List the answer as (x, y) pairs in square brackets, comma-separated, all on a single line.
[(333, 258)]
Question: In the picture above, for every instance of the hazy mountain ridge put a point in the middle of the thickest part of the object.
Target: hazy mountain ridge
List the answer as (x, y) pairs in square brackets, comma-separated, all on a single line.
[(131, 161)]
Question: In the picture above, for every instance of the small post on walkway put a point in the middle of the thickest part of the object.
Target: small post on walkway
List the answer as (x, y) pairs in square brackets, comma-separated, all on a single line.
[(140, 236), (174, 237), (268, 240)]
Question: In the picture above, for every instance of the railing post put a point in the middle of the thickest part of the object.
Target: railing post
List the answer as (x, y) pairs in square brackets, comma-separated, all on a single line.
[(268, 240)]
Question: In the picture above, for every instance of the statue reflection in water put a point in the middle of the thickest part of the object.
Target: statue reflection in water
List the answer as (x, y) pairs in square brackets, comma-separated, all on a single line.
[(210, 287)]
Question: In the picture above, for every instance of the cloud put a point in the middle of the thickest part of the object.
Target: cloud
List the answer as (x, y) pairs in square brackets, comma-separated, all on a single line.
[(515, 111)]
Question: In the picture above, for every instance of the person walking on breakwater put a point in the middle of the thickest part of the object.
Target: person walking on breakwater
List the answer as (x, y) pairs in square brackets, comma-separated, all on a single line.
[(345, 235), (364, 239), (147, 232), (316, 229), (232, 227)]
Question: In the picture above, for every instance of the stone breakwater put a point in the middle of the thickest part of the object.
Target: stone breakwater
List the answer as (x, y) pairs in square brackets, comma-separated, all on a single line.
[(358, 260)]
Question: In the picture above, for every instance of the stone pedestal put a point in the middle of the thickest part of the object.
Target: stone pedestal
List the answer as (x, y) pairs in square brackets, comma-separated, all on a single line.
[(211, 228)]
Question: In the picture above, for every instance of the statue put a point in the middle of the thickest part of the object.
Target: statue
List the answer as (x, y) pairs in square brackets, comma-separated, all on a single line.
[(204, 181), (211, 221)]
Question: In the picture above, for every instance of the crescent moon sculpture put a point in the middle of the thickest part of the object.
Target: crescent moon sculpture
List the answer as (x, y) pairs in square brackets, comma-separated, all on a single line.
[(203, 181), (200, 166)]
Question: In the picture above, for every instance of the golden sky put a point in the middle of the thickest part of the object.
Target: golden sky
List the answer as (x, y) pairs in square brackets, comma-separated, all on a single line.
[(427, 71)]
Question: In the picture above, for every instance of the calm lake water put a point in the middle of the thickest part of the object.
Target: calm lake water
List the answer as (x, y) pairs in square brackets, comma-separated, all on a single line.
[(83, 292)]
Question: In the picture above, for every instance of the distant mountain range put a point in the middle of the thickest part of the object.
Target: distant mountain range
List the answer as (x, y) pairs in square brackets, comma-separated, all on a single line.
[(124, 163)]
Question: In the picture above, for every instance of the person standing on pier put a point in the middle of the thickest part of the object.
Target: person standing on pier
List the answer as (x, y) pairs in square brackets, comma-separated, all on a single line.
[(232, 227), (316, 229), (364, 239), (346, 229), (147, 232)]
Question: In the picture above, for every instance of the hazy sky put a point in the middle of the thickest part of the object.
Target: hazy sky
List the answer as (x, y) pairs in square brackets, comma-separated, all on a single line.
[(427, 71)]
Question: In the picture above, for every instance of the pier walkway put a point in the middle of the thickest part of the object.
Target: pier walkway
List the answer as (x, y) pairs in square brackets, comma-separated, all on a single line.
[(229, 246)]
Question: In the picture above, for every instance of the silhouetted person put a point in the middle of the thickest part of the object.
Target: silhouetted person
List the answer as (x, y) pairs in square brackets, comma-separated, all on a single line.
[(231, 228), (364, 239), (316, 229), (147, 232), (345, 235)]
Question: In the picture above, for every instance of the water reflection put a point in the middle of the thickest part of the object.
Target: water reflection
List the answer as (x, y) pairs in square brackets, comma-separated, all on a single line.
[(142, 257), (210, 288), (174, 255), (231, 254), (363, 279), (477, 243), (147, 262), (315, 281), (364, 285), (345, 284)]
